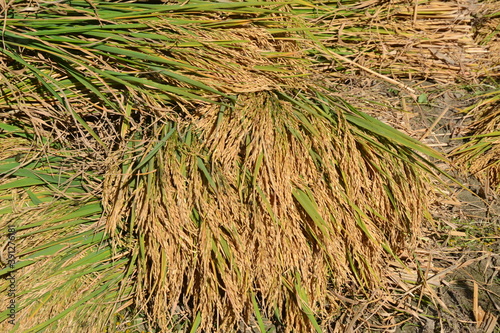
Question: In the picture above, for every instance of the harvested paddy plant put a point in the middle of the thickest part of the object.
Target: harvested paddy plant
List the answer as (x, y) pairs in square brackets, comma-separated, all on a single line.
[(480, 155), (184, 166)]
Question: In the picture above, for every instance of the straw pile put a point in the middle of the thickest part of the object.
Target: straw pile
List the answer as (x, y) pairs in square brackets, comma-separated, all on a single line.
[(424, 39)]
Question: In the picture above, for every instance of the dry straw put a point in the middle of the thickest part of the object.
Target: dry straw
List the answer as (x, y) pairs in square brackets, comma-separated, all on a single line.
[(422, 39), (480, 155)]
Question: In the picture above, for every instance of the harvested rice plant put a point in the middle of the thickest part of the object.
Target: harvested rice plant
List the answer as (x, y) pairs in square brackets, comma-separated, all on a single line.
[(481, 154), (198, 166)]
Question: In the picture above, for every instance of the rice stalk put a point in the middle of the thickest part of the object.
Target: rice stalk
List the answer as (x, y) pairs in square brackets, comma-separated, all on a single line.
[(64, 261), (480, 155), (227, 178), (256, 196)]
